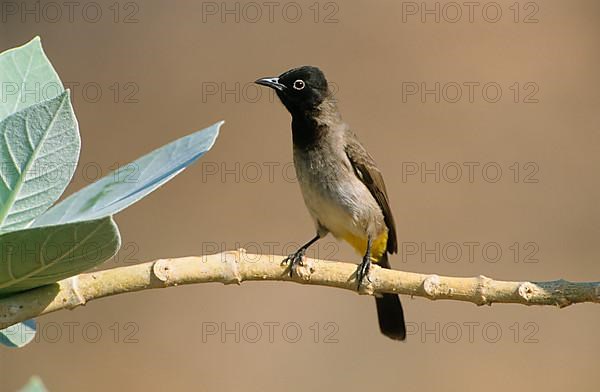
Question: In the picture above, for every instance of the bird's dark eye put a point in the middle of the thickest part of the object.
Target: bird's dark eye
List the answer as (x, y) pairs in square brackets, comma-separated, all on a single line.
[(298, 84)]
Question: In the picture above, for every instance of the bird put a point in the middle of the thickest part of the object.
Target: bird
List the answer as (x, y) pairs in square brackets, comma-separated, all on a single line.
[(342, 187)]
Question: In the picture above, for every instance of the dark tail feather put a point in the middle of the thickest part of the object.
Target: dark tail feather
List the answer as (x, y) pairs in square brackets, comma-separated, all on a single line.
[(391, 317), (389, 311)]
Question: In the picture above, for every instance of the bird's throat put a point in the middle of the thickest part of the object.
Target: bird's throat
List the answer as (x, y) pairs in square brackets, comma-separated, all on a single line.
[(306, 131), (309, 127)]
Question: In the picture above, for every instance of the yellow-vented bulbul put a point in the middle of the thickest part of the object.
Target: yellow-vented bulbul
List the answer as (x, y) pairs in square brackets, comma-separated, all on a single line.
[(341, 185)]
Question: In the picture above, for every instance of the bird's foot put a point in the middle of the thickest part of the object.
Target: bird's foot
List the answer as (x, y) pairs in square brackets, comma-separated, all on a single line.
[(295, 259), (363, 270)]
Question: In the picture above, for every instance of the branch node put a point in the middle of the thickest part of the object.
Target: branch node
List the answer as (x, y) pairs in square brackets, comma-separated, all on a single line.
[(482, 289), (161, 270), (432, 286), (366, 287), (305, 269), (76, 298), (231, 274), (373, 278), (526, 290)]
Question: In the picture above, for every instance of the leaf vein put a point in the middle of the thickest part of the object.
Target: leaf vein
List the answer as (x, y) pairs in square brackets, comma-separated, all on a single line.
[(54, 262)]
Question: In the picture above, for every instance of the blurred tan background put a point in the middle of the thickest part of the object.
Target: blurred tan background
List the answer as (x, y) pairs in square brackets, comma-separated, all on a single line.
[(179, 66)]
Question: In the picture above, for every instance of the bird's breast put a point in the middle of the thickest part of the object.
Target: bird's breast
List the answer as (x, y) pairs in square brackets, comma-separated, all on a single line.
[(336, 199)]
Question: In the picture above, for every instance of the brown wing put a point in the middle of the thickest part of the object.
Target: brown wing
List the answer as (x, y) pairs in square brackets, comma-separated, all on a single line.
[(366, 170)]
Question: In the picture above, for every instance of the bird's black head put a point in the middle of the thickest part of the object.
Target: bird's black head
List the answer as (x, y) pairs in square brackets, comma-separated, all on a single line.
[(301, 89)]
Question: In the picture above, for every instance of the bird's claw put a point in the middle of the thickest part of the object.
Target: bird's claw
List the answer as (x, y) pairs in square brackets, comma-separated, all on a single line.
[(294, 260), (363, 271)]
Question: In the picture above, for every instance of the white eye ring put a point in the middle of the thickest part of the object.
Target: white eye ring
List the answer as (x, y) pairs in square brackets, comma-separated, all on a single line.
[(298, 84)]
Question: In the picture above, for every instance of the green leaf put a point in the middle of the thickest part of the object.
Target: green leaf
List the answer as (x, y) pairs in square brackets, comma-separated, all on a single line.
[(18, 335), (44, 255), (132, 182), (39, 147), (35, 384), (27, 78)]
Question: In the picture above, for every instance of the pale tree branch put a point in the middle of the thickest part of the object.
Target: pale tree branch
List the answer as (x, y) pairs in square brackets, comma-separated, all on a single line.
[(238, 266)]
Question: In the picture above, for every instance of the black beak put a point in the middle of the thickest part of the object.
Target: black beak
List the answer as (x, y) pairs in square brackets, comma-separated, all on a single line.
[(271, 82)]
